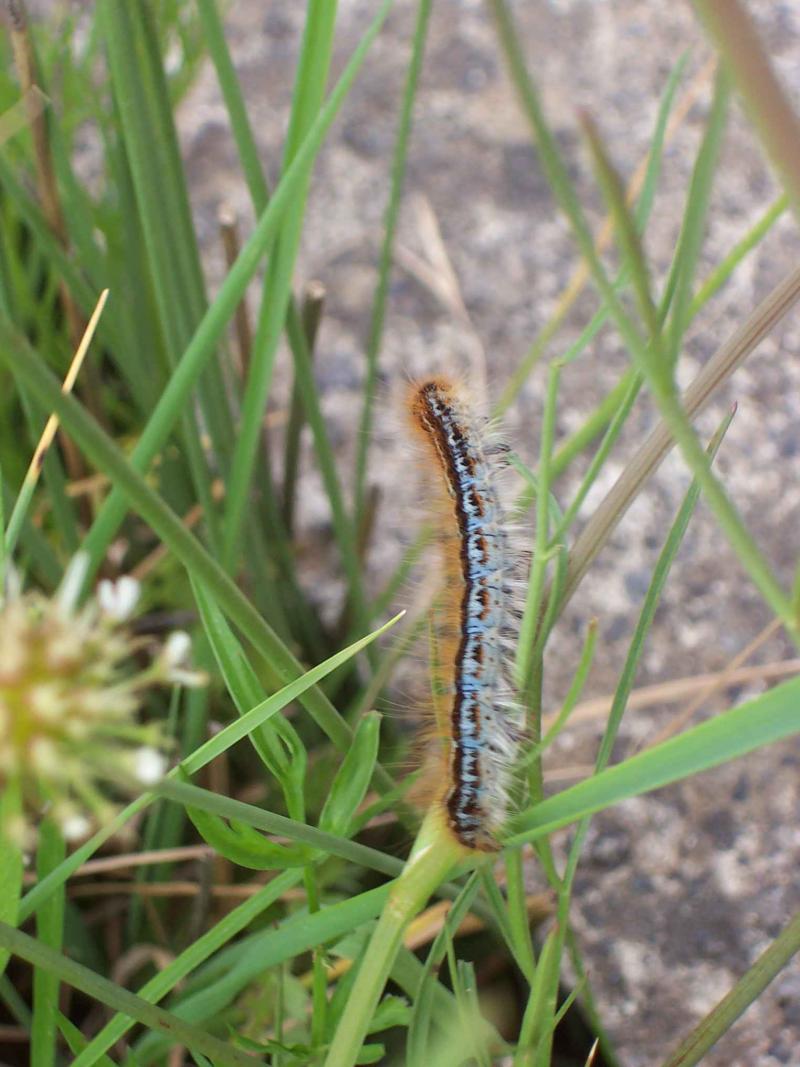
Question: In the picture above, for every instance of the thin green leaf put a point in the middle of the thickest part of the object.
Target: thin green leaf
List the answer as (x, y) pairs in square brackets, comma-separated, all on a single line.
[(49, 932), (272, 823), (767, 718), (200, 349), (352, 779), (114, 996), (11, 865), (192, 957), (749, 987)]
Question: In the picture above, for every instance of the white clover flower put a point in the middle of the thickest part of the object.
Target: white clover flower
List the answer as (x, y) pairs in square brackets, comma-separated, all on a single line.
[(174, 661), (75, 827), (118, 599), (177, 649), (149, 766)]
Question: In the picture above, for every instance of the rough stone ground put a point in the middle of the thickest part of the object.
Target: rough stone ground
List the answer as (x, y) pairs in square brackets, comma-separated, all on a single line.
[(678, 892)]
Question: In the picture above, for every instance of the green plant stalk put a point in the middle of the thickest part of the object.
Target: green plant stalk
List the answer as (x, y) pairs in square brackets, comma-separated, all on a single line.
[(105, 992), (633, 382), (609, 405), (753, 237), (693, 224), (574, 692), (11, 862), (49, 932), (717, 370), (651, 363), (300, 345), (15, 1002), (659, 378), (162, 207), (676, 297), (214, 36), (202, 346), (307, 98), (621, 696), (519, 932), (643, 208), (434, 856), (422, 1004), (541, 1005), (594, 425), (378, 313), (527, 633), (749, 987)]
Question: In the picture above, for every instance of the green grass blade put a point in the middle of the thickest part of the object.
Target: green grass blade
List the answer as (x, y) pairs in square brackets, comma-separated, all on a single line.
[(11, 862), (310, 79), (200, 349), (754, 724), (378, 313), (751, 239), (694, 219), (651, 361), (234, 103), (162, 206), (49, 932), (268, 948), (114, 996), (749, 987), (271, 823), (197, 953)]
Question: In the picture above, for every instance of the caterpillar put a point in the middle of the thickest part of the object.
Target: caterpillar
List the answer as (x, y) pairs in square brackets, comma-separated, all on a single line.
[(478, 721)]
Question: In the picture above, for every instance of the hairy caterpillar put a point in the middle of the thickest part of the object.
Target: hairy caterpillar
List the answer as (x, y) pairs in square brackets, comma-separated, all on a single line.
[(478, 721)]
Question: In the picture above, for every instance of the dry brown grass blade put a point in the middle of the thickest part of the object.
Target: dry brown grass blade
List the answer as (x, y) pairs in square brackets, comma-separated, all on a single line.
[(429, 923), (47, 189), (49, 432), (19, 115), (719, 368), (724, 678), (698, 686), (231, 245), (169, 890), (774, 120)]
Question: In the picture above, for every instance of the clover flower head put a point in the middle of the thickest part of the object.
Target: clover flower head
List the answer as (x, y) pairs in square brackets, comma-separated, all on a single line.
[(71, 686)]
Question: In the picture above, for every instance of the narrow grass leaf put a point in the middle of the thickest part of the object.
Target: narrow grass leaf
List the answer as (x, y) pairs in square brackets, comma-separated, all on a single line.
[(380, 298), (200, 349), (104, 992), (269, 821), (187, 961), (11, 864), (749, 987), (765, 719), (50, 932)]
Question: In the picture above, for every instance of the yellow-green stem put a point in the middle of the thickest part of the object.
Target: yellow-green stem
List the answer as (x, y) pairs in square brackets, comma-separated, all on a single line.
[(434, 855)]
